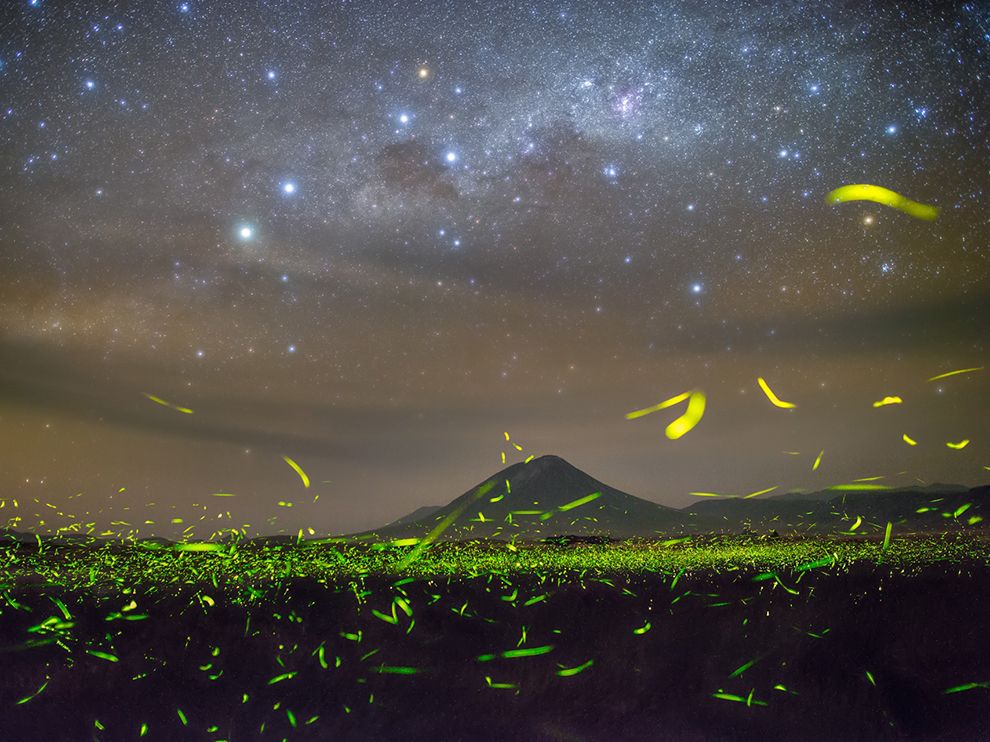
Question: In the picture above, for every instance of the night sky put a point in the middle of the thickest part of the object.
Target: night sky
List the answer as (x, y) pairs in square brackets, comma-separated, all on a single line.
[(374, 237)]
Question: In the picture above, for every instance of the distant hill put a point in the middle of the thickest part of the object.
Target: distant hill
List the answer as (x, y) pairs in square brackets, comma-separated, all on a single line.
[(828, 494), (911, 509), (546, 497), (549, 497), (416, 515)]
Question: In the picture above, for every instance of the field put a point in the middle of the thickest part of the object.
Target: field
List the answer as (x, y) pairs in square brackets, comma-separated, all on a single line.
[(714, 638)]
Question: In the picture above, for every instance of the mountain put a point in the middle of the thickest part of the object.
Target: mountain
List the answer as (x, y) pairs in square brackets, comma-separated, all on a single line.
[(545, 497), (917, 509), (928, 489), (417, 514), (549, 497)]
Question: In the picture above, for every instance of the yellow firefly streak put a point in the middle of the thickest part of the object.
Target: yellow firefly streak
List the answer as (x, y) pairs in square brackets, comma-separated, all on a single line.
[(956, 373), (958, 446), (164, 403), (909, 440), (692, 415), (888, 400), (690, 418), (774, 399), (885, 196), (657, 407), (761, 492), (298, 470)]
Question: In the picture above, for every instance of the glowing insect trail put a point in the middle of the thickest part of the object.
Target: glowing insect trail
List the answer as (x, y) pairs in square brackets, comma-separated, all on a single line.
[(760, 492), (956, 373), (887, 401), (885, 196), (774, 399), (165, 403), (298, 470), (818, 461), (691, 417), (657, 407)]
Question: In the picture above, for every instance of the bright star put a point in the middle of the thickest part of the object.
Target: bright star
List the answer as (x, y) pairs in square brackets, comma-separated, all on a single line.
[(892, 129), (696, 288), (451, 156), (246, 232), (288, 188), (271, 74), (90, 85), (403, 118)]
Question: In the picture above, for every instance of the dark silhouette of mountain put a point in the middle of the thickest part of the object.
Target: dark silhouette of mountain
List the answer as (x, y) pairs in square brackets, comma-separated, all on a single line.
[(417, 514), (545, 497), (9, 535), (913, 509), (548, 497), (828, 494)]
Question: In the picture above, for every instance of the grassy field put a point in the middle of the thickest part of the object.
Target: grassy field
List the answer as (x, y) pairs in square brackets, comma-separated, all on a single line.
[(712, 638)]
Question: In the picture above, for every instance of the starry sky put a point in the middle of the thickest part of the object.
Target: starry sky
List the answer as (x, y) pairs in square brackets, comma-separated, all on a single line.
[(376, 237)]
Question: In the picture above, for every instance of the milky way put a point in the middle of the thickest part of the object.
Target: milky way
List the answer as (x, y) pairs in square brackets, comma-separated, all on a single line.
[(376, 236)]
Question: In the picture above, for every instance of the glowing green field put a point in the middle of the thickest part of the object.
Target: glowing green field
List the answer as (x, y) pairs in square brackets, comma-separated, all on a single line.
[(237, 566), (832, 638)]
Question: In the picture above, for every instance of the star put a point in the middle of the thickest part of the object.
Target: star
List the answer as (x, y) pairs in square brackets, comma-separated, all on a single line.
[(245, 232), (289, 187)]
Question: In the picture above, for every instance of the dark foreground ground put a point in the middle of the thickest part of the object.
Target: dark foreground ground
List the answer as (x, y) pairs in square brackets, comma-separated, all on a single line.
[(863, 651)]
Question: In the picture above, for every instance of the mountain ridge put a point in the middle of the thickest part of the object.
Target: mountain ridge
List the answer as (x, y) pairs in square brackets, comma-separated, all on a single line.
[(536, 500)]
